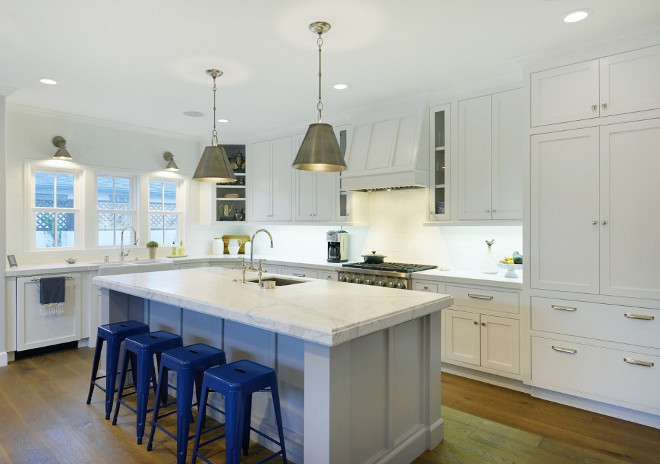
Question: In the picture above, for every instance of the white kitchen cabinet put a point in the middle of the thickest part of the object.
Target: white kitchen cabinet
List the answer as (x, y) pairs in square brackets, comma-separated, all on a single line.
[(617, 84), (487, 341), (269, 181), (440, 166), (589, 189), (490, 148), (316, 193), (36, 325), (299, 272)]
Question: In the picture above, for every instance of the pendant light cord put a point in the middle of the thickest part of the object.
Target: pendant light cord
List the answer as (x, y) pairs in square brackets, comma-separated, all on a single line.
[(214, 134), (319, 105)]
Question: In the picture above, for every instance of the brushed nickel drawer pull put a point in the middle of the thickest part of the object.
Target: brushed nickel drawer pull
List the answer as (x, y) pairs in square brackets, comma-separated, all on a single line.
[(639, 316), (37, 279), (564, 308), (564, 350), (476, 296), (638, 363), (297, 275)]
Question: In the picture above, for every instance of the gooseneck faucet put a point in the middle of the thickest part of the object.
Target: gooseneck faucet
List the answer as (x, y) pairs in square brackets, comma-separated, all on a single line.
[(122, 253), (251, 266)]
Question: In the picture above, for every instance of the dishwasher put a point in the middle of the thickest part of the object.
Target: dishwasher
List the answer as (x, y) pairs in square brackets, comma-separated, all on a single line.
[(38, 325)]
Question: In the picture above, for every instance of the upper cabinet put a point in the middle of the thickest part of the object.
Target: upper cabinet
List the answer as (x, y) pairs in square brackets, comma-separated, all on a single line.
[(439, 168), (617, 84), (269, 185), (387, 154), (490, 149)]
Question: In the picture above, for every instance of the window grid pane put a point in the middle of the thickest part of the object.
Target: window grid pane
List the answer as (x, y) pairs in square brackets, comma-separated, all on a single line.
[(114, 202)]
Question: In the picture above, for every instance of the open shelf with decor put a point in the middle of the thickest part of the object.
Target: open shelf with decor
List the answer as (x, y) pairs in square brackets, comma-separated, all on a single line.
[(230, 198)]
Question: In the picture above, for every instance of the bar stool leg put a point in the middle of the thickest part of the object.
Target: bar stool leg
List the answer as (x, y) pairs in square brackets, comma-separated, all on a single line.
[(201, 419), (247, 417), (122, 380), (278, 417), (162, 376), (184, 391), (95, 367), (110, 376), (142, 385), (233, 409)]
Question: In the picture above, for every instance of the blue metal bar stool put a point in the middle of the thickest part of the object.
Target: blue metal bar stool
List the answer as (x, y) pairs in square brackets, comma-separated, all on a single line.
[(114, 334), (144, 347), (189, 363), (237, 382)]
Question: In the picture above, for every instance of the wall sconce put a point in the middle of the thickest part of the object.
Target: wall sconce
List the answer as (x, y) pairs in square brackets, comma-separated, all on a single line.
[(61, 153), (171, 165)]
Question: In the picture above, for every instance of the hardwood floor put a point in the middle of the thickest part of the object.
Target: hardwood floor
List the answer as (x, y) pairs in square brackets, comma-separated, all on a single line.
[(44, 419)]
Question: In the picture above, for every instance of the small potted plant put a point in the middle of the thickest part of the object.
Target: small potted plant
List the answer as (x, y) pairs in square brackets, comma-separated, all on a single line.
[(151, 246)]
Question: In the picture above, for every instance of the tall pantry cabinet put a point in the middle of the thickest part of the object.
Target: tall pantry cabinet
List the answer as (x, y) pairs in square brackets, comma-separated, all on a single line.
[(593, 232)]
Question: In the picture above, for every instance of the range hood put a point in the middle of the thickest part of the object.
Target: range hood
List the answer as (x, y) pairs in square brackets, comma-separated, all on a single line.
[(388, 155)]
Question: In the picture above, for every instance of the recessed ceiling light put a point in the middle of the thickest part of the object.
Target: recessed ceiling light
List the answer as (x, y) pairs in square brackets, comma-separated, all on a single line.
[(340, 86), (223, 120), (575, 16), (47, 81), (193, 114)]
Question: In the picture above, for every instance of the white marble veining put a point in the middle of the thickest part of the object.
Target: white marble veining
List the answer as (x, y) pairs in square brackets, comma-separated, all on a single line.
[(320, 311)]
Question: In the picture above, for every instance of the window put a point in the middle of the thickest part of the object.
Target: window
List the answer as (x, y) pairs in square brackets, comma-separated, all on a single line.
[(163, 212), (115, 206), (55, 212)]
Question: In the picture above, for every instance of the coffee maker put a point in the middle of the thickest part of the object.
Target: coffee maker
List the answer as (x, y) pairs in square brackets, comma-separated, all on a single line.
[(337, 246)]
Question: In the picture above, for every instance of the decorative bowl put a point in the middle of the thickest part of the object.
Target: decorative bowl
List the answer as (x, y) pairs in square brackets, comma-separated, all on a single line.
[(71, 260)]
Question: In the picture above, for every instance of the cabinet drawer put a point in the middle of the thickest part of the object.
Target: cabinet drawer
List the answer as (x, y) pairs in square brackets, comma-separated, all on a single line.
[(623, 324), (614, 376), (299, 272), (328, 275), (479, 298), (431, 287)]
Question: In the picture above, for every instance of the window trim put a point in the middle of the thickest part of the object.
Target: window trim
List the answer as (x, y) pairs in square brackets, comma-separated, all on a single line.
[(179, 212), (134, 211), (55, 167)]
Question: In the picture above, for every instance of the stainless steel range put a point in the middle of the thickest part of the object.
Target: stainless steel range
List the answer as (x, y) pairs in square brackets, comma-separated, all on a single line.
[(393, 275)]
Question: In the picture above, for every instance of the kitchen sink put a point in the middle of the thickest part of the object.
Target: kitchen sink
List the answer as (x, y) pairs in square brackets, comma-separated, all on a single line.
[(279, 281)]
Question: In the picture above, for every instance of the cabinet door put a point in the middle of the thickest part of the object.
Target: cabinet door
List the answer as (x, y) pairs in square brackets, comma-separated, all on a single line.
[(507, 155), (258, 183), (629, 82), (325, 195), (281, 179), (567, 93), (629, 219), (439, 167), (565, 211), (462, 337), (500, 344), (36, 326), (474, 157)]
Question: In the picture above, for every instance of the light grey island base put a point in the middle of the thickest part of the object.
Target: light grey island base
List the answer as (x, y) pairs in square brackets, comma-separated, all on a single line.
[(358, 367)]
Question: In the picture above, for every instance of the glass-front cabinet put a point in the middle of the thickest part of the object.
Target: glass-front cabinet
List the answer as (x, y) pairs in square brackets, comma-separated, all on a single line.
[(439, 163), (230, 198)]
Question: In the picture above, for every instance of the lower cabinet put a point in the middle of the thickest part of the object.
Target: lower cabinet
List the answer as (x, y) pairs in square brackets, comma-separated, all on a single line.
[(299, 272), (490, 342), (38, 325)]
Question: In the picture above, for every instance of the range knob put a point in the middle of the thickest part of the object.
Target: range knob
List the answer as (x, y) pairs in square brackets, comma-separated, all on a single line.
[(357, 280), (380, 283), (368, 281), (343, 278), (400, 285), (390, 284)]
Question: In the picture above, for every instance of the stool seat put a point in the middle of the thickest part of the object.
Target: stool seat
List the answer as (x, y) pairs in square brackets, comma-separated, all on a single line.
[(237, 382), (114, 334), (144, 347), (189, 363)]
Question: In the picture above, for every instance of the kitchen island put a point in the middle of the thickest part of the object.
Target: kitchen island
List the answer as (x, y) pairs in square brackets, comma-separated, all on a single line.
[(358, 366)]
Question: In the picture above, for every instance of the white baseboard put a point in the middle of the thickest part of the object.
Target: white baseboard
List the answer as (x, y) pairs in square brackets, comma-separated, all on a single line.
[(505, 382), (4, 360)]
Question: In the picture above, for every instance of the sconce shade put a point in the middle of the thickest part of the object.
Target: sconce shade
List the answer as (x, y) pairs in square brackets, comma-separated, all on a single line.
[(61, 153), (320, 150), (171, 165), (214, 166)]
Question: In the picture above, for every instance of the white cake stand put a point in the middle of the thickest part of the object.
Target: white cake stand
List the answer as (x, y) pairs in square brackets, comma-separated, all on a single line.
[(510, 269)]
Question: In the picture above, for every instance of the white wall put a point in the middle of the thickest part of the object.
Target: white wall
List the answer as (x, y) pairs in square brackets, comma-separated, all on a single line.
[(3, 212)]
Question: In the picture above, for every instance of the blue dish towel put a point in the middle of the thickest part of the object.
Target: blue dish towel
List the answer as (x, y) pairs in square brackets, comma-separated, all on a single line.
[(51, 290)]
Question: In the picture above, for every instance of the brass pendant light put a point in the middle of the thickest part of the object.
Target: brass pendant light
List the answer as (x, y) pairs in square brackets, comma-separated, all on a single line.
[(320, 150), (214, 165)]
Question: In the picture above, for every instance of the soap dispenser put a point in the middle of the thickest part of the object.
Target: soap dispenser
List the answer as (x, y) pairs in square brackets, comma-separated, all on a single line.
[(489, 263)]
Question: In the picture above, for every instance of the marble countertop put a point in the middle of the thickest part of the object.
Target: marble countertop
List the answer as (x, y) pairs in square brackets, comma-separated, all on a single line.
[(472, 277), (319, 311)]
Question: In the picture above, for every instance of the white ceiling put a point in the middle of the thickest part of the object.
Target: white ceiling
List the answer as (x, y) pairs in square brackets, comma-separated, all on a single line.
[(143, 62)]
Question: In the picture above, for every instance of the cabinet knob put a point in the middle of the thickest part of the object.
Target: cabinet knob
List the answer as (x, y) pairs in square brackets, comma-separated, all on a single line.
[(604, 222), (594, 107), (604, 105), (475, 322), (483, 324), (494, 211), (594, 222), (487, 211)]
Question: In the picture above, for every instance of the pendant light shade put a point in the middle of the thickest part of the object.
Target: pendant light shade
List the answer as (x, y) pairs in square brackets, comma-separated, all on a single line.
[(62, 153), (320, 150), (214, 165)]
